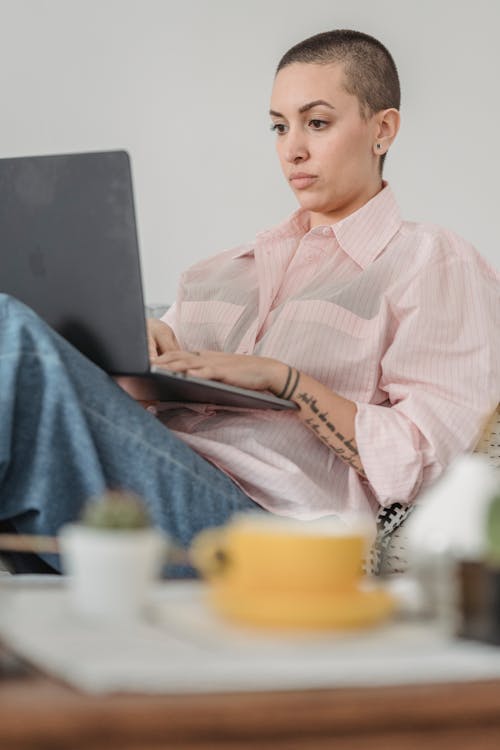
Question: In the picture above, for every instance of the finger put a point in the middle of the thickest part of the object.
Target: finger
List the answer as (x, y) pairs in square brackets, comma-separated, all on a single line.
[(189, 363), (150, 339), (202, 372), (161, 337), (179, 359), (165, 340), (152, 350), (211, 372)]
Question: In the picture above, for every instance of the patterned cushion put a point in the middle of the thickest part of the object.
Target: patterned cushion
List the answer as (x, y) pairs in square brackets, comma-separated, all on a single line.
[(489, 442)]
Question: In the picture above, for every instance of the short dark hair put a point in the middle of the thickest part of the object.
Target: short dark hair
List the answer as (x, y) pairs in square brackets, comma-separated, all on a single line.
[(370, 72)]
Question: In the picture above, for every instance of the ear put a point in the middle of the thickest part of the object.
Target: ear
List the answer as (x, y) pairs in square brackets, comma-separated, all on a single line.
[(386, 129)]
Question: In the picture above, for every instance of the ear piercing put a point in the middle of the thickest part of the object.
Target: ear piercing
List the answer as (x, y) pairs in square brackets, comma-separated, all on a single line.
[(378, 145)]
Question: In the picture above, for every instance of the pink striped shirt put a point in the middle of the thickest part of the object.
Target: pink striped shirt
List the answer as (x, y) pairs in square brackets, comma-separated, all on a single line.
[(401, 318)]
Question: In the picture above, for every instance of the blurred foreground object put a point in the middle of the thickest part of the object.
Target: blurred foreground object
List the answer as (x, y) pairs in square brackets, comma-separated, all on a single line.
[(116, 510), (112, 557), (278, 572), (450, 517), (479, 585), (447, 534)]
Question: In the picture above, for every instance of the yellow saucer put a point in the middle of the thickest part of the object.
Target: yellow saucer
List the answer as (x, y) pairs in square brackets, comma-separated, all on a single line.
[(354, 609)]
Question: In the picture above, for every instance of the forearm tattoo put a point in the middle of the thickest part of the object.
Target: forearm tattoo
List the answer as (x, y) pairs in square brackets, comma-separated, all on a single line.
[(292, 380), (321, 424)]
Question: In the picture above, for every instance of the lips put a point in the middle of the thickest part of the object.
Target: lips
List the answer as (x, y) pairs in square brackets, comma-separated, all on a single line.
[(301, 180)]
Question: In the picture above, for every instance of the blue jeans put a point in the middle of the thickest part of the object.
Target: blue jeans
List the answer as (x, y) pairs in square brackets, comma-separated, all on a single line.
[(68, 432)]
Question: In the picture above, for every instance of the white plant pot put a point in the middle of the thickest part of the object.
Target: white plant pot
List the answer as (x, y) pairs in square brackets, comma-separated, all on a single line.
[(111, 571)]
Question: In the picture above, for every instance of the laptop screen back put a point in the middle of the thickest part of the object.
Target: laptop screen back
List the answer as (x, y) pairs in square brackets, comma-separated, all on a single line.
[(68, 249)]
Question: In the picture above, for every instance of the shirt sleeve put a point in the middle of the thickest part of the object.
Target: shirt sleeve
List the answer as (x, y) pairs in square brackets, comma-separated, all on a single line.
[(441, 374)]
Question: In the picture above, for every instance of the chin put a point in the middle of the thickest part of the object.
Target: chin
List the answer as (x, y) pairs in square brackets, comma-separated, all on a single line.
[(312, 204)]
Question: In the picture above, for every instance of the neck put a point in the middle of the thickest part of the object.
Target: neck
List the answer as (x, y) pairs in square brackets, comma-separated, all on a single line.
[(349, 206)]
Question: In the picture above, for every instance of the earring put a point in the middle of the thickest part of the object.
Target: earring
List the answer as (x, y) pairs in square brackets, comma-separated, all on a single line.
[(378, 145)]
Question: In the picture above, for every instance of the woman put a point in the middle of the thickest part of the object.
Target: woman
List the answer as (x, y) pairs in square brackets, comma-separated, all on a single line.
[(382, 331)]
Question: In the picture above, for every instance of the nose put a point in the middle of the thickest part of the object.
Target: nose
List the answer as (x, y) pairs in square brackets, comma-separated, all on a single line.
[(295, 147)]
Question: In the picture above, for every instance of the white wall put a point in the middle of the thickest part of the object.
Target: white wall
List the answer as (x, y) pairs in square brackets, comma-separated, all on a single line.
[(184, 87)]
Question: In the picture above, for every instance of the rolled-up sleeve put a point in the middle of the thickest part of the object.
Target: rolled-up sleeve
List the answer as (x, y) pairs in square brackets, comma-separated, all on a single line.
[(441, 374)]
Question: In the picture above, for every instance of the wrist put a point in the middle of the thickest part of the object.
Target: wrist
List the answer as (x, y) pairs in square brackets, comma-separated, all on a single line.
[(284, 381)]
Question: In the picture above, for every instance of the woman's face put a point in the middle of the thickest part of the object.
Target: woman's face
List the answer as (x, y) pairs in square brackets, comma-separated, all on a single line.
[(326, 149)]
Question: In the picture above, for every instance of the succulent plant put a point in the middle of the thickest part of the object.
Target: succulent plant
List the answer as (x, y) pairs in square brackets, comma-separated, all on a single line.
[(493, 532), (116, 509)]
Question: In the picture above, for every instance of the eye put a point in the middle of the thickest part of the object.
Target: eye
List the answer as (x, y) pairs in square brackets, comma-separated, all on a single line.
[(278, 127), (318, 124)]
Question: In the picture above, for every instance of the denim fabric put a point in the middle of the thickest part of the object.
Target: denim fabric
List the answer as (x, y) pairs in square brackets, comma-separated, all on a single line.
[(67, 432)]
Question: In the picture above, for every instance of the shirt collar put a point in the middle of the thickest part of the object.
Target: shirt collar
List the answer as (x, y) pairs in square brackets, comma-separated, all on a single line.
[(362, 235), (296, 226), (247, 250), (366, 232)]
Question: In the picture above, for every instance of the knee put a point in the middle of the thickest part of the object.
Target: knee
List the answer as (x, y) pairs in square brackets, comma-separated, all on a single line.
[(19, 320), (5, 300), (11, 306)]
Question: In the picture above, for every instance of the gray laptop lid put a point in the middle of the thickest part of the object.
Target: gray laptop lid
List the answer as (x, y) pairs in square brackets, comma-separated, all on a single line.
[(68, 249)]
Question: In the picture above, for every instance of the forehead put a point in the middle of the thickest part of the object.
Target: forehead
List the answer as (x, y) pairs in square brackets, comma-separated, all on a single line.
[(302, 82)]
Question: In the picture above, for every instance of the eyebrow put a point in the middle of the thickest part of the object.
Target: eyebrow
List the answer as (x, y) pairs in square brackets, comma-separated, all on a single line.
[(305, 107)]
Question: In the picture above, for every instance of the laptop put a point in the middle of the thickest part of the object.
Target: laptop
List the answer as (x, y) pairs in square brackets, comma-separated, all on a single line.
[(69, 250)]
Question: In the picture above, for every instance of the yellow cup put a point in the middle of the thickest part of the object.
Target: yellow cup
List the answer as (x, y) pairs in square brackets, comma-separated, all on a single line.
[(269, 553), (276, 572)]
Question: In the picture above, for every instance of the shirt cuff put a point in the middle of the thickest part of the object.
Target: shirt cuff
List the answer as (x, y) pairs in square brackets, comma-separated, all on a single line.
[(396, 458)]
